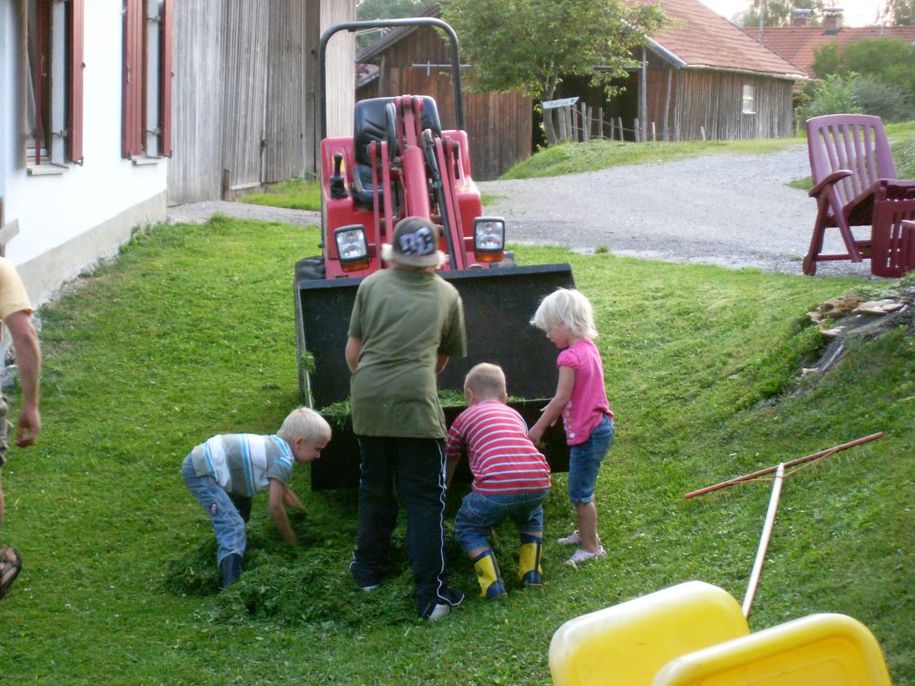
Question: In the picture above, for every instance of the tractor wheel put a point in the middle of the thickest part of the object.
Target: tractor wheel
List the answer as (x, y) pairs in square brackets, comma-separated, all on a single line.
[(310, 269), (507, 261)]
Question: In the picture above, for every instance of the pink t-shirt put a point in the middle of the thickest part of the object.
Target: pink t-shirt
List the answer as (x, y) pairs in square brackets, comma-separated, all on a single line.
[(588, 404)]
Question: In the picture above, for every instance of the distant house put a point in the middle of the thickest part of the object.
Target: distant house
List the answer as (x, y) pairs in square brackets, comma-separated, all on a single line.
[(702, 76), (798, 43), (417, 61)]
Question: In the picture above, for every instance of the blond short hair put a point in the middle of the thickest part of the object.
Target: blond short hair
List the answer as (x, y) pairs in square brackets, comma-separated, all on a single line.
[(487, 381), (568, 307), (306, 424)]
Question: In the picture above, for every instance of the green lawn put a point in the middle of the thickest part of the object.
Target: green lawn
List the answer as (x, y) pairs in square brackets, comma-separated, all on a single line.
[(571, 158), (189, 332)]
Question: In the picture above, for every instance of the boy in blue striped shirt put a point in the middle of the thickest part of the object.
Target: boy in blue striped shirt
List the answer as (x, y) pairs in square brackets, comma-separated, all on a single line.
[(227, 470)]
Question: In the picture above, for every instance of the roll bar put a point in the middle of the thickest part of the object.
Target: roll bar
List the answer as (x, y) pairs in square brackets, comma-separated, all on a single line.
[(386, 23)]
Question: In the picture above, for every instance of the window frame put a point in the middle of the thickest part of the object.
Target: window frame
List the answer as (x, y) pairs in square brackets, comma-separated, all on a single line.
[(147, 80), (748, 99), (52, 90)]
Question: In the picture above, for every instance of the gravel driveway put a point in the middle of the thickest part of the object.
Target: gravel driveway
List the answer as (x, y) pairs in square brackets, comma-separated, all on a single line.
[(726, 209)]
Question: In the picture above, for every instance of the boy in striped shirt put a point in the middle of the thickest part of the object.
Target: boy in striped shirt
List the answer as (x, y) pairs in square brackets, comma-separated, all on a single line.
[(511, 478), (225, 471)]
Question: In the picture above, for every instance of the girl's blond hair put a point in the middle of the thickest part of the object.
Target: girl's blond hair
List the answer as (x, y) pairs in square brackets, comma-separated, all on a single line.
[(304, 423), (569, 307)]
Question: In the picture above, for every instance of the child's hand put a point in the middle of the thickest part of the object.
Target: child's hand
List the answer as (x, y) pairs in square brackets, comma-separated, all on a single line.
[(534, 435)]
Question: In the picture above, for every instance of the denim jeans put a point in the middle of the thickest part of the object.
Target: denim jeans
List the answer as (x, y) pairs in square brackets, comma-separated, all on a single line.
[(227, 522), (480, 513), (585, 460)]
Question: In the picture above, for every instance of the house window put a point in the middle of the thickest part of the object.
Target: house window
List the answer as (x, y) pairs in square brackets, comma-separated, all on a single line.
[(749, 99), (53, 59), (147, 79)]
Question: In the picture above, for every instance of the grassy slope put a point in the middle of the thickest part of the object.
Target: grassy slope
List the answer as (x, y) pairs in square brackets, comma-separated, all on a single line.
[(191, 333), (572, 158)]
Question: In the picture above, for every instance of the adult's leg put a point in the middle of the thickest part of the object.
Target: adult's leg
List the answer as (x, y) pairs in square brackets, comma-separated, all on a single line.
[(377, 509), (421, 483)]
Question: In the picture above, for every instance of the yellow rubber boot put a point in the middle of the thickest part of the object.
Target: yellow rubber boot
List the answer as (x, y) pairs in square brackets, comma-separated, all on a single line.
[(530, 573), (487, 569)]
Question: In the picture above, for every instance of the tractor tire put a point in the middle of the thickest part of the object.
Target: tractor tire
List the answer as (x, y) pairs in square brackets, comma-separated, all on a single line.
[(310, 269), (507, 261)]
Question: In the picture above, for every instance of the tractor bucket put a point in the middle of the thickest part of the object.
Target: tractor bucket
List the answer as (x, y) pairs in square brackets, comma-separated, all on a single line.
[(498, 306)]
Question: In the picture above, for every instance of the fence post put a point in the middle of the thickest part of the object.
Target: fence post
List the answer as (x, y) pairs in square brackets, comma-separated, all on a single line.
[(702, 132), (637, 131), (654, 133), (600, 123), (619, 125)]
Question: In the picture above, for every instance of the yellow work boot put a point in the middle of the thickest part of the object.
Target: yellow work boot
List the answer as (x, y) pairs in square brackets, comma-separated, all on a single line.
[(487, 570), (530, 573)]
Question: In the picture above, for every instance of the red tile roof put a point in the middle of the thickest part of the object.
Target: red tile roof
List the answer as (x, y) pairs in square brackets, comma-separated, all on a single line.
[(797, 43), (700, 38)]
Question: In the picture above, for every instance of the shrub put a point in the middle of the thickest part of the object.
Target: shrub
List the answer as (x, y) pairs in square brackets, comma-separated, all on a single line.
[(881, 98)]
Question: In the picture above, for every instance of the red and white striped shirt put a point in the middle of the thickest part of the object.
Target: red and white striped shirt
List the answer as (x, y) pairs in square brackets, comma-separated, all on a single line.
[(502, 458)]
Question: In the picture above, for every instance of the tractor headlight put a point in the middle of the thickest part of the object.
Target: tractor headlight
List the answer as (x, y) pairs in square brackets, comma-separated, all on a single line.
[(352, 248), (489, 238)]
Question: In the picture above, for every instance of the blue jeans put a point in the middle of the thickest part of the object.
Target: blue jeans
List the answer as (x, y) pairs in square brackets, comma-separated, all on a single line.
[(480, 513), (585, 460), (227, 522)]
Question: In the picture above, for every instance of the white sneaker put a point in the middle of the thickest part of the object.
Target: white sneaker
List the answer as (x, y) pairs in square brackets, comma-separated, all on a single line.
[(572, 539), (439, 611), (582, 555)]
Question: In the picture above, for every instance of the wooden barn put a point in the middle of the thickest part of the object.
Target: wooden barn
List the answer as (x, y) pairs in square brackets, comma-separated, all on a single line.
[(245, 92), (702, 77), (417, 61)]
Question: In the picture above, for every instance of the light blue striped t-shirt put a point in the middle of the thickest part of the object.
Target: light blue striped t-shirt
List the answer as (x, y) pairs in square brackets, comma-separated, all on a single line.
[(244, 463)]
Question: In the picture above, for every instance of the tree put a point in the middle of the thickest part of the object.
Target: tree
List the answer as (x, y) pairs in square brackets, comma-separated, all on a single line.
[(778, 12), (388, 9), (530, 45), (878, 72), (900, 12), (384, 9)]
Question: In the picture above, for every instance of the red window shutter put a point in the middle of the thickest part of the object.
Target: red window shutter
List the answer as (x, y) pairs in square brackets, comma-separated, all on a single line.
[(132, 133), (75, 38), (166, 23)]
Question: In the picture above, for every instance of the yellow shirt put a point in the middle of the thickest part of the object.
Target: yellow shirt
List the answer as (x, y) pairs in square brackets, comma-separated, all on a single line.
[(13, 296)]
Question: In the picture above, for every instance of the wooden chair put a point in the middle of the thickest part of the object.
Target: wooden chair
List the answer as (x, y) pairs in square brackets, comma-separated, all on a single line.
[(852, 169)]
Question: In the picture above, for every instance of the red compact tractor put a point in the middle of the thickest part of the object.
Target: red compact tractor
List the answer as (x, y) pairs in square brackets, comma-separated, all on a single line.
[(400, 162)]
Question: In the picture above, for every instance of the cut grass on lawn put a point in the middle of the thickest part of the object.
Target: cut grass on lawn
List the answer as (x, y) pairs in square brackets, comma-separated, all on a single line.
[(190, 332)]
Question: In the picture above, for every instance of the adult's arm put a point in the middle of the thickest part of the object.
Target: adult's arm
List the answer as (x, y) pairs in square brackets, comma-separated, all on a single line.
[(28, 359), (353, 349)]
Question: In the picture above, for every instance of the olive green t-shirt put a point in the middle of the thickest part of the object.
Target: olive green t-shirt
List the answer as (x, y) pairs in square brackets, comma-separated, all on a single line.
[(404, 318)]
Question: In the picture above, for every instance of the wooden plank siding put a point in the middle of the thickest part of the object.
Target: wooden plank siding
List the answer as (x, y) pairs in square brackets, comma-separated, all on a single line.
[(244, 96), (195, 169), (244, 92), (498, 125), (713, 100)]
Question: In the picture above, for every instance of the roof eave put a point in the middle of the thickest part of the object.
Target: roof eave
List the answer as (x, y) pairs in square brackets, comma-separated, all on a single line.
[(679, 63)]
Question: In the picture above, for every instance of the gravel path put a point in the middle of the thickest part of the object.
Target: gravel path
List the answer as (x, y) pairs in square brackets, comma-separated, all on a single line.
[(726, 209)]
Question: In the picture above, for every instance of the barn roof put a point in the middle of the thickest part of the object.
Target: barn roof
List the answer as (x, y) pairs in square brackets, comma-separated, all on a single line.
[(696, 38), (797, 43), (699, 38)]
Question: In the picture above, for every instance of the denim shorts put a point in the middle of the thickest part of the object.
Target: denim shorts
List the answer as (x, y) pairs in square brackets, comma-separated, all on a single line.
[(480, 513), (585, 459)]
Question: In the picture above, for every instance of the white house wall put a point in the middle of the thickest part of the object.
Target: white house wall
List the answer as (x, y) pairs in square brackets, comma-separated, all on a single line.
[(68, 221)]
